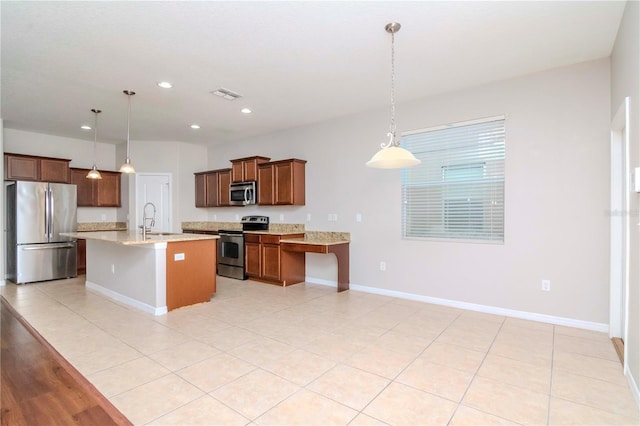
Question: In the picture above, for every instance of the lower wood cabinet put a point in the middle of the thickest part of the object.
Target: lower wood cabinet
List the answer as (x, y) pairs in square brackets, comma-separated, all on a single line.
[(81, 257), (191, 272), (265, 261)]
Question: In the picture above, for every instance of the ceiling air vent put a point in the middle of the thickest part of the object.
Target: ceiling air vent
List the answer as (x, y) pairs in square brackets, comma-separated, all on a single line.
[(226, 94)]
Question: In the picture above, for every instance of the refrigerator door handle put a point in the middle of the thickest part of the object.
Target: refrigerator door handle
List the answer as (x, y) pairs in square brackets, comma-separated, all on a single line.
[(49, 247), (51, 210), (46, 213)]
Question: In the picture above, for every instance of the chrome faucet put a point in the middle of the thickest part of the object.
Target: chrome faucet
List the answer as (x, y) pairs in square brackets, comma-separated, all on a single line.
[(152, 220)]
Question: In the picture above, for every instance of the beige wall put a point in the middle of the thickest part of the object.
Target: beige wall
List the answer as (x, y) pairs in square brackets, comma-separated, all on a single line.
[(625, 76), (557, 194)]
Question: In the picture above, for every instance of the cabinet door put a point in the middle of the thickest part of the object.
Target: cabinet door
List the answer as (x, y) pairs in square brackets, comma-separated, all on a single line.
[(82, 257), (212, 189), (52, 170), (271, 262), (252, 259), (283, 183), (224, 180), (21, 168), (108, 194), (265, 185), (86, 187), (237, 172), (201, 190)]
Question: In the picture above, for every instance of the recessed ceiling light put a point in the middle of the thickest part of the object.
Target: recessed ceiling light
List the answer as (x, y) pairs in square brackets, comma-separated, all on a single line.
[(245, 111), (195, 126), (165, 85), (85, 127)]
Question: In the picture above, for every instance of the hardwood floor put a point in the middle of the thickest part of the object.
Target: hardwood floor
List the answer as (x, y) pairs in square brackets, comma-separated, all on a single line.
[(39, 387)]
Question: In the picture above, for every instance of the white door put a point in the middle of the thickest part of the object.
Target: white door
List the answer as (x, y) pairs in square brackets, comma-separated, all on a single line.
[(154, 188)]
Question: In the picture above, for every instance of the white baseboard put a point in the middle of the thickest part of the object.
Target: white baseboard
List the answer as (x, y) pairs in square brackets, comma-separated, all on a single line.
[(125, 299), (569, 322), (635, 391)]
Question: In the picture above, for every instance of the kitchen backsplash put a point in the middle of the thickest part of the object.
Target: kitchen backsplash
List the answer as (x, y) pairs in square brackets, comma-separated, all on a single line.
[(215, 226), (102, 226)]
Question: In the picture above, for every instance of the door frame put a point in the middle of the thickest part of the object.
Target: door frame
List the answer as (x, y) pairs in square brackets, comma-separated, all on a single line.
[(620, 234)]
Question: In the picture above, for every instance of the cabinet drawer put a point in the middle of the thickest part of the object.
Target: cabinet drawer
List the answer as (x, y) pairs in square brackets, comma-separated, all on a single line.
[(252, 238), (270, 239)]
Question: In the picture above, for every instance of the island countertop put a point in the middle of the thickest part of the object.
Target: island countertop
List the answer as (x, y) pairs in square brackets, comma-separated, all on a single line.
[(135, 238)]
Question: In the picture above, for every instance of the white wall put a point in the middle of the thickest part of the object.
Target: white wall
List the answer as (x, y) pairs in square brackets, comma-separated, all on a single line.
[(79, 151), (625, 76), (557, 174), (178, 158)]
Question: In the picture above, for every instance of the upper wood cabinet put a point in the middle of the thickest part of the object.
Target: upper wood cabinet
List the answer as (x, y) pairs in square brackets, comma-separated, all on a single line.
[(212, 188), (246, 169), (282, 182), (103, 192), (30, 167)]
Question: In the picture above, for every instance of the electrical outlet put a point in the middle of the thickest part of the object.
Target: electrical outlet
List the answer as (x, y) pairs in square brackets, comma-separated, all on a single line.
[(237, 217), (383, 266), (359, 217), (308, 217), (103, 217), (546, 285), (330, 217), (113, 268), (281, 217)]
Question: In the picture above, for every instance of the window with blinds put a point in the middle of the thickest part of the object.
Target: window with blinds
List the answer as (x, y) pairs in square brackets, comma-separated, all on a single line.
[(457, 191)]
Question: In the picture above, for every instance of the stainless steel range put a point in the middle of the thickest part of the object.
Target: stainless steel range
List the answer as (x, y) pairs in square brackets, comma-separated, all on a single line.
[(231, 246)]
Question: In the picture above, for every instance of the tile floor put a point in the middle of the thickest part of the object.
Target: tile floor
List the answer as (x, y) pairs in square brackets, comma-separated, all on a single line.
[(261, 354)]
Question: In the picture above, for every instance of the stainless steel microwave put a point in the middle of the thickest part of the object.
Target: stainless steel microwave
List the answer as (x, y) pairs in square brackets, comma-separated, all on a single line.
[(242, 194)]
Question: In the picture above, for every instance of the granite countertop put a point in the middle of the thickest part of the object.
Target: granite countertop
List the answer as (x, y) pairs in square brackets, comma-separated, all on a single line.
[(273, 232), (320, 238), (101, 226), (135, 238)]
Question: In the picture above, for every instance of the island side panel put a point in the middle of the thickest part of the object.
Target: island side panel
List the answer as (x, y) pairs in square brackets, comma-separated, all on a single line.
[(128, 273), (191, 272)]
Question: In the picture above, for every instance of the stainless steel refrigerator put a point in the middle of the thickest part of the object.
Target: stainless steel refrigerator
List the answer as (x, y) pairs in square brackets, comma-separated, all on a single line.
[(37, 212)]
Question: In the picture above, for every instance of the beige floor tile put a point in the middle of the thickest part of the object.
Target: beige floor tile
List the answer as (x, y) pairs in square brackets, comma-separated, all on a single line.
[(402, 343), (533, 325), (516, 373), (307, 408), (378, 361), (204, 411), (536, 355), (300, 367), (579, 332), (229, 338), (184, 355), (570, 413), (589, 347), (262, 351), (333, 346), (453, 356), (124, 377), (364, 420), (255, 393), (402, 405), (437, 379), (103, 358), (594, 393), (509, 402), (155, 399), (467, 339), (350, 386), (215, 371), (597, 368), (467, 416)]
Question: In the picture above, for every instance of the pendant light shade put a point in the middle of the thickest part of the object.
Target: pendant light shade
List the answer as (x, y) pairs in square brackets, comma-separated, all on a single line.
[(94, 173), (392, 156), (127, 167)]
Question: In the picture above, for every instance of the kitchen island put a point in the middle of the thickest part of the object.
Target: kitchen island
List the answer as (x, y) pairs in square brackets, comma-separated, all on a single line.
[(155, 274)]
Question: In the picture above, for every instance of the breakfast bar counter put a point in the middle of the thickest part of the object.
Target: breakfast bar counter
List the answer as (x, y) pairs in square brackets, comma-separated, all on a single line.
[(155, 274)]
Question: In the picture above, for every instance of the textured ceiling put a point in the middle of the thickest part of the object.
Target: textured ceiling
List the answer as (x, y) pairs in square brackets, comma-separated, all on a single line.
[(295, 63)]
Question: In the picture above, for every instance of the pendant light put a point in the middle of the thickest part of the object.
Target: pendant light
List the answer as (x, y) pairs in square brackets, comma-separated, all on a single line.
[(127, 167), (392, 156), (94, 173)]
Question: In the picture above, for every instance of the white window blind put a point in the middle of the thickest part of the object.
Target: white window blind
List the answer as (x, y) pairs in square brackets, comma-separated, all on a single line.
[(457, 192)]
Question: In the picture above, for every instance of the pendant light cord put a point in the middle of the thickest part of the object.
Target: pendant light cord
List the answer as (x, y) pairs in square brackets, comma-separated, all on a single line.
[(128, 121), (392, 126)]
